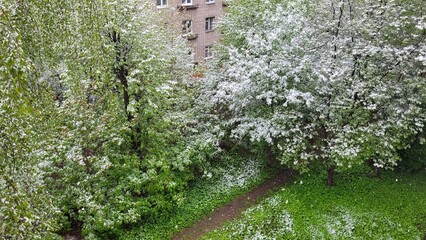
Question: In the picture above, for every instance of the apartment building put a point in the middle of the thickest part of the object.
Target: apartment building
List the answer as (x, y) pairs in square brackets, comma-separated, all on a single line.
[(196, 20)]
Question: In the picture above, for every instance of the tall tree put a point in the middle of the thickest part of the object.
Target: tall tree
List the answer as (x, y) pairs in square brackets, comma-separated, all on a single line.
[(328, 82), (105, 80), (26, 208)]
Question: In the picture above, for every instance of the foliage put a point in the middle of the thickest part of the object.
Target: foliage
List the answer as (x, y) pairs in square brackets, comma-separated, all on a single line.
[(94, 111), (25, 205), (229, 176), (330, 83), (357, 208), (414, 157), (94, 122)]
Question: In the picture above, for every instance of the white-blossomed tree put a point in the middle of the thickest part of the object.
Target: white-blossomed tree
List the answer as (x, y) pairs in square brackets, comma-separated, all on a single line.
[(326, 83), (91, 117), (27, 210)]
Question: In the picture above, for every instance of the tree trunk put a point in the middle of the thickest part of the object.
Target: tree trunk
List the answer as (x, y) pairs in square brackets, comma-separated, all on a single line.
[(121, 74), (121, 68), (378, 172), (137, 144), (330, 176), (375, 171), (270, 155)]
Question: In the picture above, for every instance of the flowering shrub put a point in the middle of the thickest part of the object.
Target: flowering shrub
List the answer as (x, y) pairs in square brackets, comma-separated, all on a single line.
[(95, 115), (325, 83)]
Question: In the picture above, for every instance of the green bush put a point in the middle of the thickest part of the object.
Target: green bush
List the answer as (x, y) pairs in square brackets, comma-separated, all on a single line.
[(228, 176), (414, 158)]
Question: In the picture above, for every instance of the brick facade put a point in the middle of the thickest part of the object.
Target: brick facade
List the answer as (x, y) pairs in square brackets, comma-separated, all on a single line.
[(198, 11)]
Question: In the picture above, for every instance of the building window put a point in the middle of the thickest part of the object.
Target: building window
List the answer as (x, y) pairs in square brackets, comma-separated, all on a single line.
[(208, 53), (209, 24), (187, 26), (194, 54), (209, 1), (161, 3), (186, 2)]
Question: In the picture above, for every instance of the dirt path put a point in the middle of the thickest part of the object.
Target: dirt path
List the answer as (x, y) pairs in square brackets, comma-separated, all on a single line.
[(234, 208)]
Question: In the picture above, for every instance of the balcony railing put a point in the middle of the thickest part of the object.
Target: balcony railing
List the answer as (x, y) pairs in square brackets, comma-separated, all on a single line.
[(187, 7), (190, 36)]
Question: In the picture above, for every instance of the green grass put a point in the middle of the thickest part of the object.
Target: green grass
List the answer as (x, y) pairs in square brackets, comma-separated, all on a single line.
[(229, 179), (359, 207)]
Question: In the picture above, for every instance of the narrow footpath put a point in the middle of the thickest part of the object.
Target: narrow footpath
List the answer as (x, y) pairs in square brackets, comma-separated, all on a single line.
[(233, 209)]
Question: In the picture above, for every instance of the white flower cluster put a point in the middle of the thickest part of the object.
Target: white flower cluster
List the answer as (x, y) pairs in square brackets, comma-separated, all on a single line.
[(342, 83), (239, 176)]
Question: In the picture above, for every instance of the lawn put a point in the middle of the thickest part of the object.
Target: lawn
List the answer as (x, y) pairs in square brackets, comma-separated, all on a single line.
[(358, 207)]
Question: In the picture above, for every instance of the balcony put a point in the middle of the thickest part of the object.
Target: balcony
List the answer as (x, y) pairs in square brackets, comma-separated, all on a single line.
[(187, 7), (225, 3), (190, 36)]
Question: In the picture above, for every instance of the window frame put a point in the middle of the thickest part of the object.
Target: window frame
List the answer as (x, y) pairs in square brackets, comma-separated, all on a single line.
[(187, 28), (208, 53), (210, 1), (209, 24), (187, 2), (162, 3)]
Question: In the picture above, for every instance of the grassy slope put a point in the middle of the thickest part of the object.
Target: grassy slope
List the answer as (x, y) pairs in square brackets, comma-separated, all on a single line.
[(229, 180), (359, 207)]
